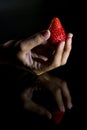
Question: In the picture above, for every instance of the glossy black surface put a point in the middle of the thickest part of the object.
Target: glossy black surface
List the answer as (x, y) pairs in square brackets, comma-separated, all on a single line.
[(19, 19)]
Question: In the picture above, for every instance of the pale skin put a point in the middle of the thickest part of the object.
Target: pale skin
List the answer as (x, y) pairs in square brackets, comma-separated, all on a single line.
[(34, 53)]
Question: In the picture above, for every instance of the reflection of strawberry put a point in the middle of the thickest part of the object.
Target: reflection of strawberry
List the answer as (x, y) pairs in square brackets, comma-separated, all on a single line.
[(57, 31), (58, 116)]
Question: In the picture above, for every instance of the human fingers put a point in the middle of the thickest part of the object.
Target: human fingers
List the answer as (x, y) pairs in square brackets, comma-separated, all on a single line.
[(35, 40), (58, 55), (67, 49), (32, 106), (66, 95), (59, 100)]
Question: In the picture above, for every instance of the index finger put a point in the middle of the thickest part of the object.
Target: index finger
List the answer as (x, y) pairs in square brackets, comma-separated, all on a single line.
[(35, 40)]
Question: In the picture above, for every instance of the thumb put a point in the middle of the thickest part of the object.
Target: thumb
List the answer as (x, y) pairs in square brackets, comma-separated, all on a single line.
[(35, 40), (32, 106)]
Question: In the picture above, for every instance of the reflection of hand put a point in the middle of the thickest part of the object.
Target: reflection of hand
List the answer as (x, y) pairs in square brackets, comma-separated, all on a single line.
[(34, 53), (56, 86)]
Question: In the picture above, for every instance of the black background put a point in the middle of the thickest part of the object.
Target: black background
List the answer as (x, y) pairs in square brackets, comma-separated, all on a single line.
[(20, 18)]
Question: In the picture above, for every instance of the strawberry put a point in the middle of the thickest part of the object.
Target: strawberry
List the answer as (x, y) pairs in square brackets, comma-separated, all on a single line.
[(57, 117), (57, 31)]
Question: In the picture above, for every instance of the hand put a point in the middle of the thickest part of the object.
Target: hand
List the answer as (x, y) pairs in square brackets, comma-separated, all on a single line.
[(53, 84), (35, 53)]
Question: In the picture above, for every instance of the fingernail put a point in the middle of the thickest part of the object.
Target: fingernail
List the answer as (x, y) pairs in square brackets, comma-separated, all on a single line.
[(49, 115), (62, 45), (62, 109), (70, 35), (46, 34), (70, 105)]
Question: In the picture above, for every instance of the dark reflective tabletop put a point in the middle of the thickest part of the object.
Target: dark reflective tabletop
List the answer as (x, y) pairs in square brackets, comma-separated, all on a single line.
[(19, 19)]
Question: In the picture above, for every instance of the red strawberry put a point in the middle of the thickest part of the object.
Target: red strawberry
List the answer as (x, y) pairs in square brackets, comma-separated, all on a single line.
[(58, 116), (57, 31)]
